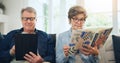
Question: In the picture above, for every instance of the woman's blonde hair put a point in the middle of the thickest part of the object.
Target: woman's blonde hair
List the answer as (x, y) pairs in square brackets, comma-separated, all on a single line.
[(75, 10)]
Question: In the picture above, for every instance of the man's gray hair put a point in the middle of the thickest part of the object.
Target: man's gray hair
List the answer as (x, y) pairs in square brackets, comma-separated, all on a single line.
[(28, 9)]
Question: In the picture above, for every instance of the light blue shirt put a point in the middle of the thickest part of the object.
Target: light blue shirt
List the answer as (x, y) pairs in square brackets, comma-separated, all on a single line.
[(64, 39)]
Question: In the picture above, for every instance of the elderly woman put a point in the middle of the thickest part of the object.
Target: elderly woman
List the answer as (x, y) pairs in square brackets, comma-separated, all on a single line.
[(77, 16)]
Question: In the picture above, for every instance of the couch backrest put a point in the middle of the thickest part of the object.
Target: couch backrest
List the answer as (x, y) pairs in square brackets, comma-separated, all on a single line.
[(1, 37), (54, 38)]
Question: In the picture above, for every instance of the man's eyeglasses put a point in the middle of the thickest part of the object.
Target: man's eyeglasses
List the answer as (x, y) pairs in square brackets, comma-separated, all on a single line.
[(28, 18), (76, 19)]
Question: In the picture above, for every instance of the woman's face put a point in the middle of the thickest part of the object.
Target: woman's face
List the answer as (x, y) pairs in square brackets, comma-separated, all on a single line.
[(77, 21)]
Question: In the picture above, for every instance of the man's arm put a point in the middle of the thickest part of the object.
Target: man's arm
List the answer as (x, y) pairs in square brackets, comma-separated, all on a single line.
[(5, 46)]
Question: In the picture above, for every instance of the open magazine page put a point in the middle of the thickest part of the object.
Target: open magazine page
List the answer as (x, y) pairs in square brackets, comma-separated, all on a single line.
[(78, 38), (75, 41), (103, 34), (88, 36)]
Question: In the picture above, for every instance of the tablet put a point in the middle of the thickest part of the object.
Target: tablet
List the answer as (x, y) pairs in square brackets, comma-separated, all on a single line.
[(24, 43)]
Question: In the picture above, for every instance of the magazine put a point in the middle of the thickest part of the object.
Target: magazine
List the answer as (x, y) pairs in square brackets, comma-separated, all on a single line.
[(88, 36)]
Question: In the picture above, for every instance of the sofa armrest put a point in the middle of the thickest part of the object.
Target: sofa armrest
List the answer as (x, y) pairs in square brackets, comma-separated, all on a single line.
[(107, 52)]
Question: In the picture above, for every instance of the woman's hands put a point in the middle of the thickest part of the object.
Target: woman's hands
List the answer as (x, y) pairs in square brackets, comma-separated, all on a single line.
[(66, 49), (88, 50)]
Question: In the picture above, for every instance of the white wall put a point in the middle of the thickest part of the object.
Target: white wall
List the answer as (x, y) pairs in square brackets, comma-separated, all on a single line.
[(13, 9)]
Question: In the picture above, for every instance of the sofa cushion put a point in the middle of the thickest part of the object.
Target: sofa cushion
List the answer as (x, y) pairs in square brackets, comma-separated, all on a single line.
[(1, 37), (116, 46), (106, 52), (109, 44), (53, 38)]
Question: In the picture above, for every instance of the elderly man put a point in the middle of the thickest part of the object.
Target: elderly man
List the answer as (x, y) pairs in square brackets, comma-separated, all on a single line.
[(45, 43)]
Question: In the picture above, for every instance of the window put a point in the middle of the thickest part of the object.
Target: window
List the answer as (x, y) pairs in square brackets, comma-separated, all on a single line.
[(53, 17), (118, 14), (52, 14), (41, 9), (60, 13), (99, 13)]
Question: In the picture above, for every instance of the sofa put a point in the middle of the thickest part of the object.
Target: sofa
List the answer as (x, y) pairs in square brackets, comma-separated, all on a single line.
[(107, 52)]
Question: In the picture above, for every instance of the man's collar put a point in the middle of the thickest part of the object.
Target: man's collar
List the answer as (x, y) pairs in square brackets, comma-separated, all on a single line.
[(21, 30)]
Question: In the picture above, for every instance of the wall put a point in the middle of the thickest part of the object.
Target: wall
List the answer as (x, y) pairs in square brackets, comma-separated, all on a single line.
[(13, 8)]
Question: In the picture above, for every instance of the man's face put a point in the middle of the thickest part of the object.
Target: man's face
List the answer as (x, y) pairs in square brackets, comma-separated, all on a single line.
[(28, 21)]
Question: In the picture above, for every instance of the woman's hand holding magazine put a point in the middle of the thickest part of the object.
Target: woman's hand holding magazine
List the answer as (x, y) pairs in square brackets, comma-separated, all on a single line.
[(66, 50), (88, 41), (85, 48)]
